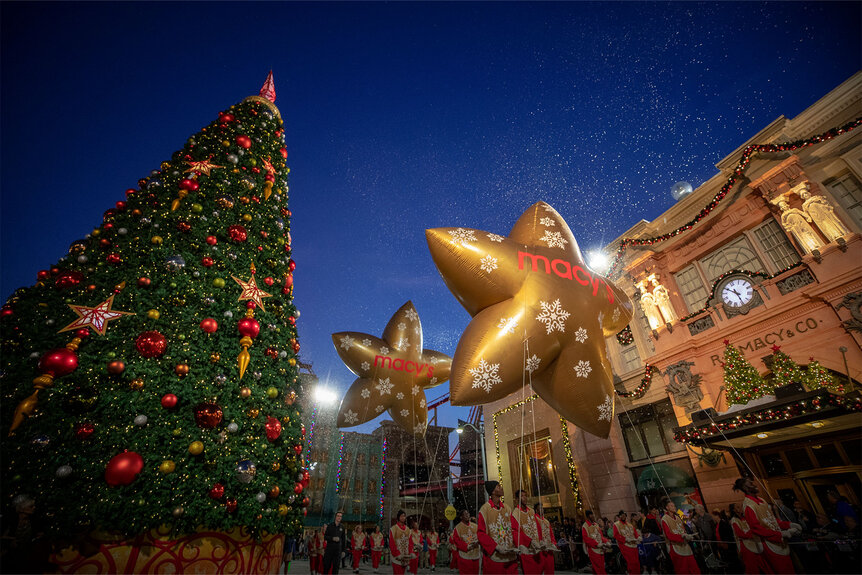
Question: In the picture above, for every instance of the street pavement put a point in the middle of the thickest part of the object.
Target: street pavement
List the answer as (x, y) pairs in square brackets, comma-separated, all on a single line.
[(300, 567)]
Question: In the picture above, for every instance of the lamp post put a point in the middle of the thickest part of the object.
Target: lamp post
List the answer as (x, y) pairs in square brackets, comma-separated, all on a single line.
[(481, 431)]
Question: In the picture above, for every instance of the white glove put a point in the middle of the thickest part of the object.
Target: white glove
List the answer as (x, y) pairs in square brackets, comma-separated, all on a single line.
[(640, 539), (786, 533), (796, 527)]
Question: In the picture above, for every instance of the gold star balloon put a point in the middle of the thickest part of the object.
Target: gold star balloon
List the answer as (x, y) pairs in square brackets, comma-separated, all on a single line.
[(394, 372), (539, 316)]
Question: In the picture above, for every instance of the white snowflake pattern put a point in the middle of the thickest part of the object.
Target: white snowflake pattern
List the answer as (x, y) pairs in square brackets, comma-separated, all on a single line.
[(606, 409), (351, 418), (417, 330), (366, 342), (416, 390), (385, 386), (379, 409), (399, 396), (581, 335), (346, 342), (548, 222), (496, 238), (422, 403), (420, 427), (365, 366), (554, 239), (583, 368), (365, 393), (462, 236), (434, 359), (553, 316), (402, 326), (433, 381), (405, 412), (384, 350), (411, 314), (533, 363), (508, 324), (616, 315), (485, 375), (548, 208), (488, 264), (402, 344)]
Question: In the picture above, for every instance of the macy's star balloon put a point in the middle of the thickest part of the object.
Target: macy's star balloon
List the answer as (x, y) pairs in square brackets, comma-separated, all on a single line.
[(394, 373), (539, 315)]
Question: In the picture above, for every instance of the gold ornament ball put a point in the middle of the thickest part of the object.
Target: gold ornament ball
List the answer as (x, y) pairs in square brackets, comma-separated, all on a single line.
[(154, 314), (246, 217), (136, 384), (274, 492), (276, 466), (215, 358), (177, 432), (167, 466), (197, 208), (272, 392), (253, 412), (182, 369), (196, 447), (225, 143), (291, 361), (218, 282), (157, 240), (282, 509), (245, 392)]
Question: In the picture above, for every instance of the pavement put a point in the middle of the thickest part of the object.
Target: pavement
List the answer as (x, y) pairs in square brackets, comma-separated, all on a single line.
[(300, 567)]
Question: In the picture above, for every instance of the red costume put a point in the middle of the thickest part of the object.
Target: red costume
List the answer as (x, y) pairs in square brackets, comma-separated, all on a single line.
[(315, 552), (626, 535), (399, 547), (495, 537), (416, 540), (550, 542), (593, 538), (764, 524), (680, 551), (358, 542), (376, 549), (750, 548), (525, 531), (467, 559), (433, 544)]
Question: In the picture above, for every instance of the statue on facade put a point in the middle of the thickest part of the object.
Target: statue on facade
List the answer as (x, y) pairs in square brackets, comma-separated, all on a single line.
[(662, 300), (796, 221), (651, 310), (823, 214), (684, 385)]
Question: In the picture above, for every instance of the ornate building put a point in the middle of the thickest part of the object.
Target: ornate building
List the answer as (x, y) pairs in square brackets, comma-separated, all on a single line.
[(777, 263)]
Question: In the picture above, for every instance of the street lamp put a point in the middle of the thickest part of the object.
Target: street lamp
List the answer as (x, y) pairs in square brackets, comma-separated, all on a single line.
[(481, 431)]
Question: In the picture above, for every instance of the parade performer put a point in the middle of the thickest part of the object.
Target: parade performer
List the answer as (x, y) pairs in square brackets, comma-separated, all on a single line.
[(763, 523), (677, 540), (628, 537), (465, 539), (416, 541), (748, 544), (495, 533), (595, 542), (376, 548), (433, 544), (549, 541), (357, 546), (525, 533), (315, 551), (399, 544)]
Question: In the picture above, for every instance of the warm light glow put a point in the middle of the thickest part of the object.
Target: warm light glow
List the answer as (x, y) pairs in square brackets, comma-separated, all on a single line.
[(459, 431), (817, 424), (325, 396), (598, 261), (761, 436)]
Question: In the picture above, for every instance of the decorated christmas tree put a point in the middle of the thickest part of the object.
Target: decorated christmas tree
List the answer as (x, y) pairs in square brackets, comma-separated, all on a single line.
[(149, 377), (817, 377), (742, 382), (784, 369)]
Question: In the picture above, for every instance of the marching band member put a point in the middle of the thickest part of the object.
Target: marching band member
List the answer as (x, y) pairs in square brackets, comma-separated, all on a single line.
[(677, 540), (525, 532), (595, 542), (627, 537), (465, 539), (376, 548), (495, 534)]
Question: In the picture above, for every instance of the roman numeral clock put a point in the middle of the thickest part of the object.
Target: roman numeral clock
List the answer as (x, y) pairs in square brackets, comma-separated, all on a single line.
[(737, 292)]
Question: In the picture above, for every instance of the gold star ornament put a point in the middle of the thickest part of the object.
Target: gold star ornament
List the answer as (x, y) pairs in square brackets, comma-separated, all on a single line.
[(96, 317), (540, 316), (202, 166), (250, 291), (394, 372)]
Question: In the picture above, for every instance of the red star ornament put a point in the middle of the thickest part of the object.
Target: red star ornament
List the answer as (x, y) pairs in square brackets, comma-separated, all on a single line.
[(531, 292), (202, 167), (250, 291), (95, 317), (267, 165), (394, 372)]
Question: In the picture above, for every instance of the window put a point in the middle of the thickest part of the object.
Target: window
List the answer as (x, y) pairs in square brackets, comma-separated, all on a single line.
[(630, 358), (531, 458), (774, 242), (372, 486), (361, 460), (648, 431), (691, 288), (357, 485), (846, 190), (737, 255)]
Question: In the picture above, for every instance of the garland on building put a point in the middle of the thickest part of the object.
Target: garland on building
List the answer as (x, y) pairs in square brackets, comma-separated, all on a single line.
[(641, 389), (737, 173), (383, 476), (625, 336), (340, 461)]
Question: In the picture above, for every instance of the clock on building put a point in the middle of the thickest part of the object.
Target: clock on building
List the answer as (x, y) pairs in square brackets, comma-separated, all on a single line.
[(737, 293)]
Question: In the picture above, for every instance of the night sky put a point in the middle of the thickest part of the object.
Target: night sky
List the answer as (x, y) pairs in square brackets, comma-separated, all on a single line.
[(400, 117)]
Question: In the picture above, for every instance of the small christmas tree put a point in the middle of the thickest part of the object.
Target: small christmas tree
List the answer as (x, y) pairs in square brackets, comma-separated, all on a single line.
[(742, 382), (784, 370), (164, 376), (817, 377)]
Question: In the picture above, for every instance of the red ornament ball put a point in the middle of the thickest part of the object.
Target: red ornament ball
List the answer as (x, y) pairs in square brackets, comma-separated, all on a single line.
[(291, 320), (297, 449), (116, 367), (68, 279), (291, 265), (212, 240), (84, 430), (209, 325), (151, 344), (130, 191), (306, 501), (123, 468), (114, 259), (58, 362), (217, 491), (189, 184), (43, 275), (268, 280), (82, 333), (288, 281), (121, 206), (237, 233), (243, 142), (207, 262), (208, 415), (184, 227), (224, 118), (105, 242), (273, 428), (297, 488), (230, 504), (169, 400), (283, 153), (248, 326), (144, 282)]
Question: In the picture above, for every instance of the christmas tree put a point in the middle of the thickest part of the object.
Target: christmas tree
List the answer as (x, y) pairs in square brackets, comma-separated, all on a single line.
[(149, 377), (742, 382), (817, 377), (784, 369)]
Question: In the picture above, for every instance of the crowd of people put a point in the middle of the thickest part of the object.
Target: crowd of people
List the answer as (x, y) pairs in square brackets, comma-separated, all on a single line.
[(756, 535)]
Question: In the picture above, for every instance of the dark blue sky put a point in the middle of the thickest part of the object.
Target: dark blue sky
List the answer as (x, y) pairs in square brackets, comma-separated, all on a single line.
[(400, 117)]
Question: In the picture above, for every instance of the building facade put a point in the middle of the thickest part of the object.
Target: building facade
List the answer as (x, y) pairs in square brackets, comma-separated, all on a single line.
[(778, 262)]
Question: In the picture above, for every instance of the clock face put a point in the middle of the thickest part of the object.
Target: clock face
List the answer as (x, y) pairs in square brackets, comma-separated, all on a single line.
[(737, 292)]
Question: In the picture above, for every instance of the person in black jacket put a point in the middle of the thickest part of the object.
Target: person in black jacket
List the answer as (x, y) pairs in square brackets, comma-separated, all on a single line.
[(336, 541)]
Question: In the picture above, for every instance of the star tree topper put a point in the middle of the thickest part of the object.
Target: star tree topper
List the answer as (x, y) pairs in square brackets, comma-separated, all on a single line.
[(394, 372), (533, 287), (95, 317), (251, 291)]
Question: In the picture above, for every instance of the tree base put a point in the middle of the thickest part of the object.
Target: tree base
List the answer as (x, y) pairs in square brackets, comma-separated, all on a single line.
[(206, 552)]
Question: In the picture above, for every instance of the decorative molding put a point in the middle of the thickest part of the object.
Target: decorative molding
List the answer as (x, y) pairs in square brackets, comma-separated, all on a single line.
[(684, 386), (853, 302), (701, 325), (795, 282)]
